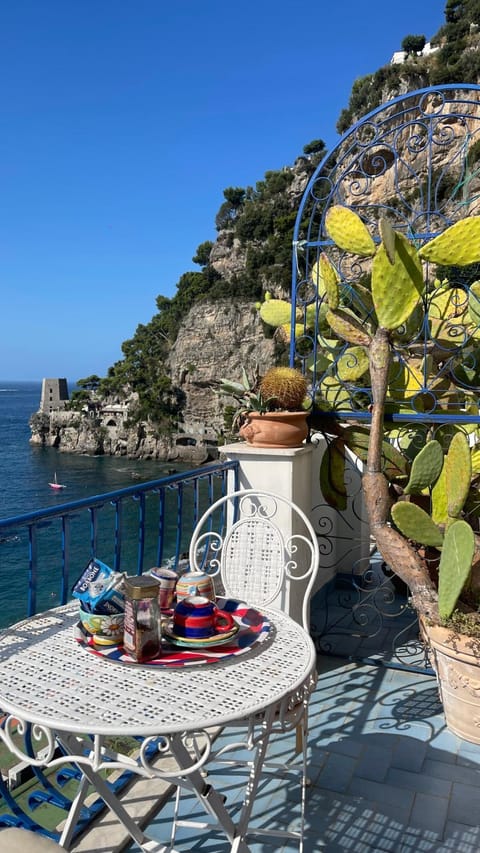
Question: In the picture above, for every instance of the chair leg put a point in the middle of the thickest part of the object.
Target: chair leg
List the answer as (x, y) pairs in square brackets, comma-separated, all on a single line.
[(299, 739)]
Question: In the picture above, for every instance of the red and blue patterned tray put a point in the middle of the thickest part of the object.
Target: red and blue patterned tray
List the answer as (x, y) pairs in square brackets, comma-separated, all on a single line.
[(253, 627)]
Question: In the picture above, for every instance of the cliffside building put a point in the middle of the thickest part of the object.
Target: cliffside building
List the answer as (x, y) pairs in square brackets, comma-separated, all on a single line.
[(54, 395)]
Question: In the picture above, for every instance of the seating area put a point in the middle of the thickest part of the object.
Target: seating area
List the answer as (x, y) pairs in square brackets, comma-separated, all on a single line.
[(385, 774)]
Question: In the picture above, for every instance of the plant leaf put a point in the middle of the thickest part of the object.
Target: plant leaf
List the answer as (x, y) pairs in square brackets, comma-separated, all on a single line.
[(455, 564), (416, 524), (426, 468), (458, 245), (397, 287), (348, 231)]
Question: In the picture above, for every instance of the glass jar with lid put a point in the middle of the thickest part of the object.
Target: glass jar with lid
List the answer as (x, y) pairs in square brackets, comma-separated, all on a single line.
[(142, 634)]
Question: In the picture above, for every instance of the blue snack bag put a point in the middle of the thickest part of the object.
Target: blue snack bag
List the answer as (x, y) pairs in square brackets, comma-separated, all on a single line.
[(99, 587)]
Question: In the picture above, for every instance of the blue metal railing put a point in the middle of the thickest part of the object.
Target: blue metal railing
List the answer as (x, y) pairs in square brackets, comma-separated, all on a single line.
[(132, 529)]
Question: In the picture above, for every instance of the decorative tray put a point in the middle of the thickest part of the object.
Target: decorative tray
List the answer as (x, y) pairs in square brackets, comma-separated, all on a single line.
[(252, 627)]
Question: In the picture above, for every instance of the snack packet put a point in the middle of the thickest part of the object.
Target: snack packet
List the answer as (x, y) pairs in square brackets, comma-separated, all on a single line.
[(100, 589)]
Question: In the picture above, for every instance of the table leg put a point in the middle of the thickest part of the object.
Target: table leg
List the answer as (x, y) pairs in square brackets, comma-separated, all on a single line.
[(255, 772), (211, 800), (74, 814), (111, 800)]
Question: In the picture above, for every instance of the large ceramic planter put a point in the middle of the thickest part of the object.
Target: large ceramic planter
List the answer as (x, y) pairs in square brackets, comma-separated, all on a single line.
[(456, 660), (275, 429)]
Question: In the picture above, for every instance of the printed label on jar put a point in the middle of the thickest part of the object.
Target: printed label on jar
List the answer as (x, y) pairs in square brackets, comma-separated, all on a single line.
[(129, 627)]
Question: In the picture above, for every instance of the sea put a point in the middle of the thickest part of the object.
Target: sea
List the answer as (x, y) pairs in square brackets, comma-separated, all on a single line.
[(25, 473)]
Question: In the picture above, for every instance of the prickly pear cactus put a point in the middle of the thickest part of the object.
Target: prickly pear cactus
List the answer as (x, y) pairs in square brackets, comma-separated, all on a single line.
[(353, 364), (458, 467), (348, 327), (455, 564), (440, 498), (276, 312), (327, 280), (404, 380), (458, 245), (349, 232), (332, 475), (474, 303), (416, 524), (396, 287), (388, 238), (426, 468)]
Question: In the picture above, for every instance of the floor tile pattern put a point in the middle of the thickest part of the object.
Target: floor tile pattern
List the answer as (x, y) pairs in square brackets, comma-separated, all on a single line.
[(386, 775)]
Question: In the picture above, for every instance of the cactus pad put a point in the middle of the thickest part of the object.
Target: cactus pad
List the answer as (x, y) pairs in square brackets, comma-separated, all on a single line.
[(474, 303), (352, 365), (332, 475), (439, 499), (458, 245), (397, 287), (458, 466), (346, 326), (348, 231), (475, 457), (277, 312), (455, 564), (326, 278), (388, 238), (416, 524), (394, 463), (404, 380), (426, 468)]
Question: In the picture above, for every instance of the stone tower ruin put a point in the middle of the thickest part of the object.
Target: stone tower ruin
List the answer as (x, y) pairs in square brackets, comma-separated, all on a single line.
[(54, 395)]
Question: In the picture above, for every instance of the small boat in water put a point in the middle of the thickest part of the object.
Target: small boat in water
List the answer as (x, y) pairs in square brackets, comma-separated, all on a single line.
[(56, 484)]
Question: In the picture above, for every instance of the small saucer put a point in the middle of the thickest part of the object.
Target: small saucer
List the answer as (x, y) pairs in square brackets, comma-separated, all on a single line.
[(186, 642)]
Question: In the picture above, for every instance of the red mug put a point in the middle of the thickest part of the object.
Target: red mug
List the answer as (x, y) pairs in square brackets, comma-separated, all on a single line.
[(195, 618)]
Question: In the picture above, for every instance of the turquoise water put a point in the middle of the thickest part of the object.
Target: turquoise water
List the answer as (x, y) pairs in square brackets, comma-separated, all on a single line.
[(25, 472)]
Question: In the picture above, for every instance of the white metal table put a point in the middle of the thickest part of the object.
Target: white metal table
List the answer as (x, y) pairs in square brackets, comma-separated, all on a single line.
[(78, 700)]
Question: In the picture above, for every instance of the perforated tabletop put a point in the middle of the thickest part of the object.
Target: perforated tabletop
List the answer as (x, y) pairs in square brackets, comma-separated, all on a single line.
[(47, 678)]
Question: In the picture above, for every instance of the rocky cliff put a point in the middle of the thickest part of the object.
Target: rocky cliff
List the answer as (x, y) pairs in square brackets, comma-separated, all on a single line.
[(216, 339)]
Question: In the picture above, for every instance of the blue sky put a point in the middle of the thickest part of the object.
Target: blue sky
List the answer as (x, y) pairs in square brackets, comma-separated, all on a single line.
[(122, 122)]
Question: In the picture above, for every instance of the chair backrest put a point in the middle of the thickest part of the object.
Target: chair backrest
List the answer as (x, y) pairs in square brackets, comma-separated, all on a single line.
[(262, 548)]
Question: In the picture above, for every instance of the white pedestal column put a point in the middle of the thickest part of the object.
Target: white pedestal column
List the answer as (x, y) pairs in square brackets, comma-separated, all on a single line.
[(287, 472)]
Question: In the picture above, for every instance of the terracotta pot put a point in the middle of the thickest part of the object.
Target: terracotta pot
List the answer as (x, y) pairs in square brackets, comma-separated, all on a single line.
[(275, 429), (456, 660)]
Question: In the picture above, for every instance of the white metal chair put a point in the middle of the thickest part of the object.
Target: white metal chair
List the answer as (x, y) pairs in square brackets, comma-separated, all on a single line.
[(266, 555), (261, 549)]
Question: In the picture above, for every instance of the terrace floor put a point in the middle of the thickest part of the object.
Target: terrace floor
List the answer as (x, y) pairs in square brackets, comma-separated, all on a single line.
[(386, 775)]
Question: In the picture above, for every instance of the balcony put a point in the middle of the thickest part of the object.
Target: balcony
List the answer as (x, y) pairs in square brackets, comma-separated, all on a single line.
[(385, 772)]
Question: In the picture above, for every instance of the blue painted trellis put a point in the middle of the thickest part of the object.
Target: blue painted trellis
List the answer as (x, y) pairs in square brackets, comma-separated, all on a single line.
[(416, 162)]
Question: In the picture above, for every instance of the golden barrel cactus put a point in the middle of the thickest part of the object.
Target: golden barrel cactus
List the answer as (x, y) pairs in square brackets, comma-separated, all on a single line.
[(284, 388)]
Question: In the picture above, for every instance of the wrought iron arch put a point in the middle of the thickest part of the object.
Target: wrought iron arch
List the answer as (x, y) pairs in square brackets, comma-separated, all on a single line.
[(416, 161)]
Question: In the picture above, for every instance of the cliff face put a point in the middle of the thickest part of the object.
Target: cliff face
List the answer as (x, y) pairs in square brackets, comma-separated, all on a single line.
[(215, 340)]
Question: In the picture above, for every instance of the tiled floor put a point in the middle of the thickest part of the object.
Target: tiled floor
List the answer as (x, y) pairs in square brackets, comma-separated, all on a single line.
[(386, 774)]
